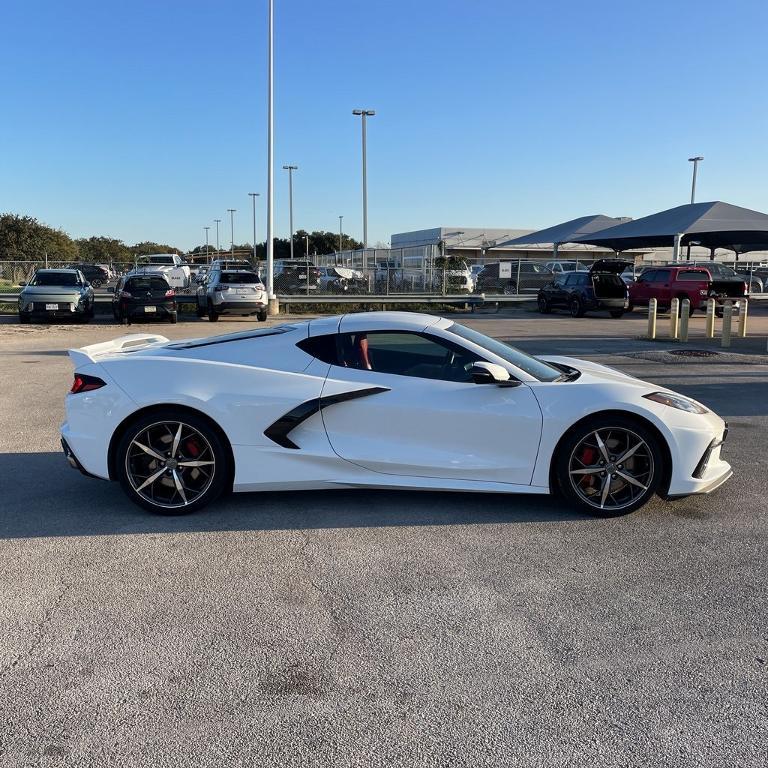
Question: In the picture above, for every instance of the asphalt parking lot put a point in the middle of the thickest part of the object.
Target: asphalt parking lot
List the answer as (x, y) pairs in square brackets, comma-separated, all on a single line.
[(372, 628)]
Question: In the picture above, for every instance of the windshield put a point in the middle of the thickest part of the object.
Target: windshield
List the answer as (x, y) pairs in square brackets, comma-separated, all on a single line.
[(161, 260), (240, 278), (55, 278), (536, 368)]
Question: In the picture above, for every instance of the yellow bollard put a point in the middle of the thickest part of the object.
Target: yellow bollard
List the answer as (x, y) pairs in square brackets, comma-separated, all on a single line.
[(674, 318), (684, 316), (710, 325), (652, 306), (727, 317), (743, 307)]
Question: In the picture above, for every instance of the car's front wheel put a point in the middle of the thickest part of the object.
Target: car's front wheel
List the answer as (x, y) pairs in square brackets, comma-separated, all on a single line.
[(609, 465), (172, 462), (576, 307), (544, 306), (617, 313)]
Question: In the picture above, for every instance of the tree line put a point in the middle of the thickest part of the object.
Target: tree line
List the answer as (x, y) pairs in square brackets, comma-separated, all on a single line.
[(24, 238)]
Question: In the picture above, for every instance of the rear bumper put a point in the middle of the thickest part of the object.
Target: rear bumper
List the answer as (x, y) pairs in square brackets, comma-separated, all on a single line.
[(74, 462), (239, 307), (162, 309)]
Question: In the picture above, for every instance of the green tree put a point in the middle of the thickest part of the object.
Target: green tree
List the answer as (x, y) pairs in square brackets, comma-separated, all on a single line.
[(106, 250), (24, 238), (147, 247)]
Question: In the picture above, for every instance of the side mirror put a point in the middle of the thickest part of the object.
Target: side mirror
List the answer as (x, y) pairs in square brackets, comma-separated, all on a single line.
[(490, 373)]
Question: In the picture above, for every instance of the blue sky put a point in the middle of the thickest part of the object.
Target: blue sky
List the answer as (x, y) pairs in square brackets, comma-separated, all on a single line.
[(147, 120)]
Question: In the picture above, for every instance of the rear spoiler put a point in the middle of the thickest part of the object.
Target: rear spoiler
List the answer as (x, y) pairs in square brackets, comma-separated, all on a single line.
[(123, 343)]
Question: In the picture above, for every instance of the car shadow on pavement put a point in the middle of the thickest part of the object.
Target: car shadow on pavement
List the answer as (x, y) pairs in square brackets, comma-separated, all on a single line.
[(42, 496)]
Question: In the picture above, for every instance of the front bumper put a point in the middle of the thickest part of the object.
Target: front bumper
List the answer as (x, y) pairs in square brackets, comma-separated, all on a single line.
[(698, 466)]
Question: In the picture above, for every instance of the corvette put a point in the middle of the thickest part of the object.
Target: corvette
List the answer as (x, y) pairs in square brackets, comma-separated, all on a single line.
[(378, 400)]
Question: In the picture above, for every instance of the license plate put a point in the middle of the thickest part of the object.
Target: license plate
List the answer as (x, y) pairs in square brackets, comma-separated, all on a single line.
[(302, 277), (243, 292), (51, 306), (150, 309)]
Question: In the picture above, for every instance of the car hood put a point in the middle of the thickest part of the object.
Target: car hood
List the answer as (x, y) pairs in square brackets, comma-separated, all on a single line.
[(597, 372), (61, 292)]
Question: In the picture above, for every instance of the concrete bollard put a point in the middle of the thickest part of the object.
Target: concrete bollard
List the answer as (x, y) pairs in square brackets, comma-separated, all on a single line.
[(743, 308), (709, 331), (652, 307), (674, 318), (727, 318), (273, 306), (685, 314)]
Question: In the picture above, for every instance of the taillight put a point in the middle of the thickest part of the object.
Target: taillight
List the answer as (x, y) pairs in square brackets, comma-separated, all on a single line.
[(84, 383), (170, 292)]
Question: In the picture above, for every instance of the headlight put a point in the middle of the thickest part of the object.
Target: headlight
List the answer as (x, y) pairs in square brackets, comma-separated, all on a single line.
[(677, 401)]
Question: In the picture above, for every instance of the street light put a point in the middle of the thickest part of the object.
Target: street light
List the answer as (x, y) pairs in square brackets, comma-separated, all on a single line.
[(253, 196), (695, 161), (273, 305), (231, 212), (306, 250), (364, 113), (340, 232), (290, 169), (206, 243), (218, 250)]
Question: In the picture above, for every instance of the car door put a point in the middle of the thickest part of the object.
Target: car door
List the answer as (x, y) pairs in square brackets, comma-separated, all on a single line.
[(557, 292), (424, 416), (660, 288), (639, 291)]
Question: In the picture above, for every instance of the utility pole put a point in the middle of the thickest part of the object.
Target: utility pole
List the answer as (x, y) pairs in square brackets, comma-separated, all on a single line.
[(290, 169), (206, 243), (340, 232), (231, 212), (695, 161), (365, 113), (218, 250), (253, 196), (273, 305)]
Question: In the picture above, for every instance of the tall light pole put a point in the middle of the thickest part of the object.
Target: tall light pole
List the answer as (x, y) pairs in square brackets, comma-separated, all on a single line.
[(206, 243), (290, 169), (253, 196), (306, 250), (218, 250), (231, 212), (365, 113), (340, 232), (695, 161), (273, 308)]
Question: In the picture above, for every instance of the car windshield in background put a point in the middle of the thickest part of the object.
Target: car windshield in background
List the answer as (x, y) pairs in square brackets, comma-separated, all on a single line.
[(147, 284), (240, 278), (161, 260), (55, 278), (536, 368)]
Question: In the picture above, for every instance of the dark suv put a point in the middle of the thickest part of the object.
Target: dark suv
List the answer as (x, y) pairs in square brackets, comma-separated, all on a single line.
[(296, 276), (144, 297), (601, 288), (94, 274), (511, 277)]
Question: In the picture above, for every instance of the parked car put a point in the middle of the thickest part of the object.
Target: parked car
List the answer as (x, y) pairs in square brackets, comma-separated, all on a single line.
[(144, 296), (95, 274), (754, 275), (232, 292), (202, 272), (296, 276), (342, 280), (242, 264), (377, 400), (459, 279), (172, 266), (692, 283), (559, 267), (56, 294), (723, 273), (599, 288), (503, 277)]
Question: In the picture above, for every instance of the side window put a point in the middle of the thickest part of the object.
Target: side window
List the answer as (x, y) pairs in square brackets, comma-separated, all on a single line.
[(661, 276), (406, 354), (570, 280)]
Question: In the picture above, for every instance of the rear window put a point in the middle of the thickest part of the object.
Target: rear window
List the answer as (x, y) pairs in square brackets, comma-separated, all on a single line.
[(692, 274), (153, 284), (241, 278)]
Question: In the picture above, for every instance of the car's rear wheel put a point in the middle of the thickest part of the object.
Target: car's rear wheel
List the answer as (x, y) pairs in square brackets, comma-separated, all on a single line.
[(24, 318), (510, 289), (609, 466), (544, 307), (262, 317), (174, 317), (617, 313), (213, 316), (576, 307), (172, 462)]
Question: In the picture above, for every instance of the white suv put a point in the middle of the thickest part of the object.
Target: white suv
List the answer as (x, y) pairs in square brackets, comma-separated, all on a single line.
[(232, 292)]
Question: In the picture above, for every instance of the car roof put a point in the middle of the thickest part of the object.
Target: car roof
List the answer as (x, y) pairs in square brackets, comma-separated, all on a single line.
[(57, 271), (376, 321)]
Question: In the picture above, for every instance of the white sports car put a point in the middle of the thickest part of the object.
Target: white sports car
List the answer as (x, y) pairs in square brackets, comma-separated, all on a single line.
[(378, 400)]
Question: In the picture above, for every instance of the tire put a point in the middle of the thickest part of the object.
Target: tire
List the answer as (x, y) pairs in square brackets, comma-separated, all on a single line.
[(510, 289), (200, 442), (579, 450), (24, 318), (200, 312), (96, 283), (576, 307), (630, 308), (262, 317), (174, 318), (617, 313), (544, 307), (212, 316)]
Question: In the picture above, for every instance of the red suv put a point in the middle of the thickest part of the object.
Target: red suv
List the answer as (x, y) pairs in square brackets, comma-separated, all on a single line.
[(693, 283)]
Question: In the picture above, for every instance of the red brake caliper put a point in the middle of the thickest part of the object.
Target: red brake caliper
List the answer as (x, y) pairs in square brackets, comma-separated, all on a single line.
[(587, 458), (192, 448)]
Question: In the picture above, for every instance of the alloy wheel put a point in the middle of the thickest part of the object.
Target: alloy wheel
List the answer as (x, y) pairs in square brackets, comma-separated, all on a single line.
[(170, 464), (611, 468)]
